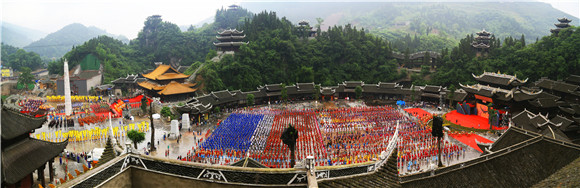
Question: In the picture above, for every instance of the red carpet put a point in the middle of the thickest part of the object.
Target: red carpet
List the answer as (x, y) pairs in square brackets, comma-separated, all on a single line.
[(469, 139), (418, 112), (471, 121)]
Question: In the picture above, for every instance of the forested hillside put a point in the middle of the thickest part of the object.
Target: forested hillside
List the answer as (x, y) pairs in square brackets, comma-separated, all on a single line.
[(17, 58), (437, 25), (553, 56), (56, 44), (158, 41), (278, 52)]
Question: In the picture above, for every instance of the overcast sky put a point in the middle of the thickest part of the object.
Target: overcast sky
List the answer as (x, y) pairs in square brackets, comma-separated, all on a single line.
[(126, 17)]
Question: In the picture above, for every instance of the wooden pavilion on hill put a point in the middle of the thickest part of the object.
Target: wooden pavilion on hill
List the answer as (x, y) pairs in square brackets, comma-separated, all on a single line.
[(168, 84), (21, 154)]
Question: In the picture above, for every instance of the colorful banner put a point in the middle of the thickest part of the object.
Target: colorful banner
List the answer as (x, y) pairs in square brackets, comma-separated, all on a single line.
[(482, 98), (482, 110)]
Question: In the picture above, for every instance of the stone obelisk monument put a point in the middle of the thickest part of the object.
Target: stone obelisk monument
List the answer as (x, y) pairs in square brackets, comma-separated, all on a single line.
[(67, 99)]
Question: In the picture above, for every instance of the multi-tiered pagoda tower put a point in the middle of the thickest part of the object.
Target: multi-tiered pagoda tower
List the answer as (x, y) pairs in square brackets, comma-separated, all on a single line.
[(481, 43), (230, 40), (564, 23)]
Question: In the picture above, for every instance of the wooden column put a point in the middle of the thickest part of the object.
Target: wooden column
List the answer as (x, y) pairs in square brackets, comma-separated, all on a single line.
[(51, 170), (40, 173)]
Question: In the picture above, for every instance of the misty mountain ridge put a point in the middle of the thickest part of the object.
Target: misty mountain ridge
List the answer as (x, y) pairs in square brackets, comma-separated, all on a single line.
[(56, 44), (19, 36)]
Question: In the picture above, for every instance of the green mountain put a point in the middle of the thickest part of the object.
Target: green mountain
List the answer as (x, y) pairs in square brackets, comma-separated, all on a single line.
[(19, 36), (440, 23), (56, 44)]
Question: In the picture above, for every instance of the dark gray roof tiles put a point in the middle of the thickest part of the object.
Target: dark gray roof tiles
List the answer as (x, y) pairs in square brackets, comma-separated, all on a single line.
[(273, 87), (15, 123), (573, 79), (305, 86), (353, 84), (565, 122), (26, 156), (557, 85), (500, 79), (432, 89)]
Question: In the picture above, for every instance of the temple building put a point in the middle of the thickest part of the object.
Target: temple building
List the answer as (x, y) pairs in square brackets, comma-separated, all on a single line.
[(481, 43), (168, 84), (564, 23), (229, 41), (126, 85), (305, 29), (21, 154), (505, 92)]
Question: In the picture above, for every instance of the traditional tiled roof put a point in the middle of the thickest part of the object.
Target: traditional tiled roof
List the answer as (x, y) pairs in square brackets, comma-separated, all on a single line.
[(522, 120), (151, 85), (385, 85), (431, 95), (327, 91), (15, 123), (228, 44), (499, 93), (557, 85), (24, 157), (164, 72), (500, 79), (573, 79), (230, 32), (221, 94), (273, 87), (305, 86), (353, 84), (459, 95), (176, 88), (432, 89), (555, 134), (188, 84), (544, 103)]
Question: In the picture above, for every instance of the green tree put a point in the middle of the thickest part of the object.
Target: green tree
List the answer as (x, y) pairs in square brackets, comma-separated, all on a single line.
[(250, 99), (26, 78), (144, 104), (451, 95), (316, 92), (358, 91), (284, 93), (166, 112), (136, 137)]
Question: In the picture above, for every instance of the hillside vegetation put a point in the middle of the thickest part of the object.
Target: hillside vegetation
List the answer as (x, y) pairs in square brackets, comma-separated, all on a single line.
[(437, 25), (278, 52)]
